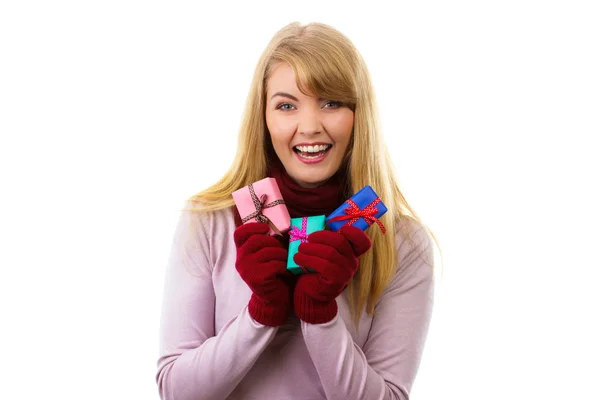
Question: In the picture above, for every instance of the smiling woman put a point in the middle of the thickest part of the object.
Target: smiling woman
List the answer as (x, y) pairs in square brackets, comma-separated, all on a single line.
[(236, 324), (311, 137)]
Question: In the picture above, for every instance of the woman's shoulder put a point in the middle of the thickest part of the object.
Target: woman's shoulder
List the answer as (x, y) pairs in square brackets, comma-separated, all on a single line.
[(412, 231), (414, 246), (205, 218), (414, 257), (201, 234)]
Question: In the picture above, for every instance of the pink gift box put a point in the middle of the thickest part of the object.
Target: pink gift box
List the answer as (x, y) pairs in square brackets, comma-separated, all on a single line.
[(262, 202)]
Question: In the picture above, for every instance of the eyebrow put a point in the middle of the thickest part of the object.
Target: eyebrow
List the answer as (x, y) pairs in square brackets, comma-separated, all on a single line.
[(283, 94)]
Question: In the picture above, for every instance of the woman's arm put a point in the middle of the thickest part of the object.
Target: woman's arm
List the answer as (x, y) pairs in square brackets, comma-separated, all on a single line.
[(387, 365), (195, 363)]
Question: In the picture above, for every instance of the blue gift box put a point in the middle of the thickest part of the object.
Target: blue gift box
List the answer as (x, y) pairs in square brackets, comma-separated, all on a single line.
[(361, 210)]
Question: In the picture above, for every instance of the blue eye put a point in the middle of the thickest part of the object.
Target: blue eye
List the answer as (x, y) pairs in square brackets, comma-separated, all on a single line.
[(280, 106), (336, 103)]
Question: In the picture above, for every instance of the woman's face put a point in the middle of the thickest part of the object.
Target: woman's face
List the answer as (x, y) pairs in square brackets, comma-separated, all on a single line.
[(309, 135)]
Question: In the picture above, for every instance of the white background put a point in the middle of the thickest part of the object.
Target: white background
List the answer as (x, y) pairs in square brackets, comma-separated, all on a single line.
[(112, 113)]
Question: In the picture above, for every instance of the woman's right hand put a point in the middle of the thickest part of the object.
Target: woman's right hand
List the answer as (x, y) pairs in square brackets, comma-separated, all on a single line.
[(261, 262)]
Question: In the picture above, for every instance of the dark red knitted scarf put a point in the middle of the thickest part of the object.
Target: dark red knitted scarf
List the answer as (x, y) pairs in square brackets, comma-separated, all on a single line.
[(306, 202)]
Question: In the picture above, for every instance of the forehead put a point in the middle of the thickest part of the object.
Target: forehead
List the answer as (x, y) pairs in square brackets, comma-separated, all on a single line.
[(282, 79)]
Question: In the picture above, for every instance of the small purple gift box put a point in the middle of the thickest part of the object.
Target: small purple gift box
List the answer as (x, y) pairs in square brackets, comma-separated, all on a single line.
[(361, 210), (262, 202)]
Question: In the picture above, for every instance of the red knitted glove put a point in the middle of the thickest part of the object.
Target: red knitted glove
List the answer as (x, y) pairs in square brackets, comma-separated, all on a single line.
[(261, 262), (334, 258)]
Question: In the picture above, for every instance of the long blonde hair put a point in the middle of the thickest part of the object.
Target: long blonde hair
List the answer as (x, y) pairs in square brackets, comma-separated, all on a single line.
[(326, 64)]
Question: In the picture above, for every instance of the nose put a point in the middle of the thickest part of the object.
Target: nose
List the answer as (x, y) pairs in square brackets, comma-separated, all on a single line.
[(310, 123)]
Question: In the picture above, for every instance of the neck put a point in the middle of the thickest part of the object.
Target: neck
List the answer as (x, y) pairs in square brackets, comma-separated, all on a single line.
[(309, 201)]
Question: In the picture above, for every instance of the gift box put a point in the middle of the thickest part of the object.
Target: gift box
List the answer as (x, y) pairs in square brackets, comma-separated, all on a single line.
[(361, 210), (262, 202), (301, 228)]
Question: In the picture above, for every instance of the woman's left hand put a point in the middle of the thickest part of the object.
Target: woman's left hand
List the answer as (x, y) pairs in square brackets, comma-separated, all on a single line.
[(334, 258)]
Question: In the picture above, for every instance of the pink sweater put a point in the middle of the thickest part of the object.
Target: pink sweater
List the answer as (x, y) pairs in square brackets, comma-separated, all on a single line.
[(210, 347)]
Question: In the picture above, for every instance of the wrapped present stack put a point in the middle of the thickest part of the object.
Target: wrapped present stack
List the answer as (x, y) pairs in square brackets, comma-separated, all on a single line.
[(301, 228), (262, 202), (361, 210)]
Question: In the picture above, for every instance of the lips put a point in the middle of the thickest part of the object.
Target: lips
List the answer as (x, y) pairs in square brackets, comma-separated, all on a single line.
[(312, 154)]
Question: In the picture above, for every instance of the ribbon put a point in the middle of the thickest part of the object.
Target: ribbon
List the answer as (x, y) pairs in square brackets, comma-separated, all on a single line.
[(297, 234), (301, 235), (354, 213), (259, 205)]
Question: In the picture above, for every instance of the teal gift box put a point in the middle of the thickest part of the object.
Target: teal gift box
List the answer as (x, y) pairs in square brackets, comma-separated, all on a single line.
[(301, 228)]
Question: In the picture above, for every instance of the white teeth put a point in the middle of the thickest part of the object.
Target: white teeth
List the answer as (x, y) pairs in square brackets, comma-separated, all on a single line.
[(312, 149), (308, 157)]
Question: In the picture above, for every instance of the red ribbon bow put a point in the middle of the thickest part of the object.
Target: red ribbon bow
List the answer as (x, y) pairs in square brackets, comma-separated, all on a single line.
[(354, 213)]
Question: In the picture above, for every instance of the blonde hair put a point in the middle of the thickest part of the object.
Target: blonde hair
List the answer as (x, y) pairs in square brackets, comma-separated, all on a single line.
[(326, 64)]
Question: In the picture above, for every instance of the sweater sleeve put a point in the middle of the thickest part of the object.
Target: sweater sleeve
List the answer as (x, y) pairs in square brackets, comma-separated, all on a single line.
[(387, 365), (194, 362)]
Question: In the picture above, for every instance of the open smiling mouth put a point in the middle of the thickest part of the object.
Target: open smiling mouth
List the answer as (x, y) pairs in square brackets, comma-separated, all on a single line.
[(312, 152)]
